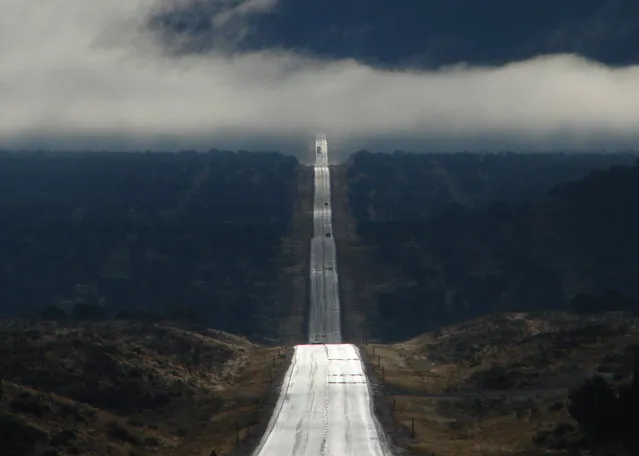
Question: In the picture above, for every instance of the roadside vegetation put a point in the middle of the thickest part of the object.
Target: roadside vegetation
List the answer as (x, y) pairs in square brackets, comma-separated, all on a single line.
[(513, 384), (131, 388)]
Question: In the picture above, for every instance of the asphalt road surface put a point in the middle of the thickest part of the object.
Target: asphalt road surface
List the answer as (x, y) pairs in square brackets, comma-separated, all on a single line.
[(324, 314), (324, 408), (325, 405)]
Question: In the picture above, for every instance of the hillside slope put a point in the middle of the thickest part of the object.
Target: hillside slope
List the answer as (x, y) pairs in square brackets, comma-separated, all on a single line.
[(503, 384), (124, 388)]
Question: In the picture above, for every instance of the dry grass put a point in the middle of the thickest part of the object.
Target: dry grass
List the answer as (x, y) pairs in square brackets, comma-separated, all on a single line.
[(403, 369), (35, 420), (545, 350), (489, 386), (244, 407), (452, 428), (124, 388)]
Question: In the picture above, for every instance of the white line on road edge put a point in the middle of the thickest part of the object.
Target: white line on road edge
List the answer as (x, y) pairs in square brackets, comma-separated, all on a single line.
[(278, 406)]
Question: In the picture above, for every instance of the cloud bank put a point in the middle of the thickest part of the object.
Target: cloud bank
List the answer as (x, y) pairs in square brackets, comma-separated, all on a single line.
[(92, 75)]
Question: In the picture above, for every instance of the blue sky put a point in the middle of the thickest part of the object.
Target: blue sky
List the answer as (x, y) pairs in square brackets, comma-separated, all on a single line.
[(264, 74)]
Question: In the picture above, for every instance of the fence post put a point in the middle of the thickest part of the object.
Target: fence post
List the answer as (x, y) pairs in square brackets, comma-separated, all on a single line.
[(412, 428), (379, 360), (237, 435), (394, 403)]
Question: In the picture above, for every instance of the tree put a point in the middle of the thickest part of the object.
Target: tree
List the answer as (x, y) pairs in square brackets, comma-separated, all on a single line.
[(595, 407), (586, 303), (90, 312), (51, 313)]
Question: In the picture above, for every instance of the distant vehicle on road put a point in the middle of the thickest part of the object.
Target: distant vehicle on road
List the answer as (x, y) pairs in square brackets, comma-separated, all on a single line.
[(325, 204), (319, 150), (328, 234)]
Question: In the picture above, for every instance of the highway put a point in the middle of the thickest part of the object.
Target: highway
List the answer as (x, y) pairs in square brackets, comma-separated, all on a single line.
[(324, 408), (324, 313), (325, 405)]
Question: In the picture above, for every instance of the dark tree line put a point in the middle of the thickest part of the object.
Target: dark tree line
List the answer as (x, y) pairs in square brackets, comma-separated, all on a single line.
[(406, 186), (466, 252), (160, 231)]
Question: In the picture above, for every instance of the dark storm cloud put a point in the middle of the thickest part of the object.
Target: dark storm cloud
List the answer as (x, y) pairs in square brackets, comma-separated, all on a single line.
[(75, 73)]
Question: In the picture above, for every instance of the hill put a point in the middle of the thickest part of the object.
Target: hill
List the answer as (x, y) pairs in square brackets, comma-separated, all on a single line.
[(125, 388), (509, 384)]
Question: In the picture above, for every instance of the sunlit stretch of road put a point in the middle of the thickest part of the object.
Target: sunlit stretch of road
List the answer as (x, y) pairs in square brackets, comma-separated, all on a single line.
[(325, 406)]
